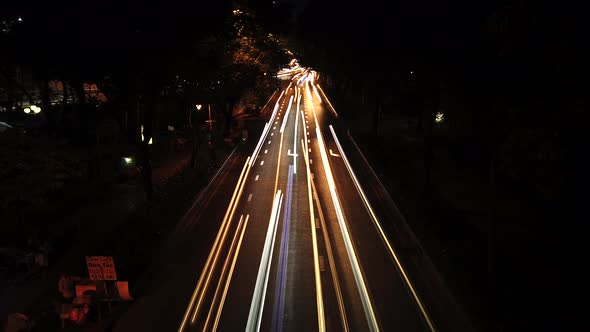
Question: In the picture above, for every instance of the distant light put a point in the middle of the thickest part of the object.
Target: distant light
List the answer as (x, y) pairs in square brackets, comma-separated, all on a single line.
[(198, 106), (439, 117), (27, 110), (170, 128), (411, 72), (264, 74), (151, 141), (20, 19), (128, 160), (37, 109)]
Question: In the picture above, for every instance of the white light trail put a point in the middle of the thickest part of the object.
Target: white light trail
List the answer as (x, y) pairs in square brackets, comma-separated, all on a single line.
[(286, 115), (295, 144), (257, 305)]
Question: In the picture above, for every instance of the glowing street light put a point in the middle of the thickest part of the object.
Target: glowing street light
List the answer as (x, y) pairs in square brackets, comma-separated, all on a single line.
[(440, 116), (27, 110), (198, 106)]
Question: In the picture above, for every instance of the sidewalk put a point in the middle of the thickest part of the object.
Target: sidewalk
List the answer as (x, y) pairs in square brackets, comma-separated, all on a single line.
[(88, 227)]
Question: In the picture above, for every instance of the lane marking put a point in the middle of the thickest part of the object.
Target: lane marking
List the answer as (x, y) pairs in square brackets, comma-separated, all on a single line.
[(262, 163), (265, 151), (256, 179), (334, 154), (249, 197)]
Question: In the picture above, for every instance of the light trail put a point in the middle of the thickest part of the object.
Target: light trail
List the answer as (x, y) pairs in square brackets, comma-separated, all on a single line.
[(219, 239), (223, 272), (231, 272), (286, 117), (257, 305), (331, 261), (317, 94), (229, 218), (316, 260), (202, 192), (383, 235), (328, 101), (281, 278), (295, 143), (358, 276)]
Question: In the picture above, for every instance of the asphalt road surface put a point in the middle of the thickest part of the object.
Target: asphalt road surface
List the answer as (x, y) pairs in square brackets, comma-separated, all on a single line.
[(295, 233)]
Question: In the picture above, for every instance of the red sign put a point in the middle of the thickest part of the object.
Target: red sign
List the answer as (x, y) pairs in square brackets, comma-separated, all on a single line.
[(101, 268)]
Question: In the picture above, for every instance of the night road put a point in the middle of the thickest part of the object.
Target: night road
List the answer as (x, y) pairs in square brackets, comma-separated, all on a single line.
[(294, 234)]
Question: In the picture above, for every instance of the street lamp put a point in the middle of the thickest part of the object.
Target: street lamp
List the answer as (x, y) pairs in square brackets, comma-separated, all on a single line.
[(198, 106)]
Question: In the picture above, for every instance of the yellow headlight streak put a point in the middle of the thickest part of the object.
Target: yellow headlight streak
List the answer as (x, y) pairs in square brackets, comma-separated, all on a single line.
[(329, 251), (382, 233), (317, 94), (231, 272), (328, 101), (358, 276), (214, 253), (316, 263), (229, 218), (232, 250), (257, 305)]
